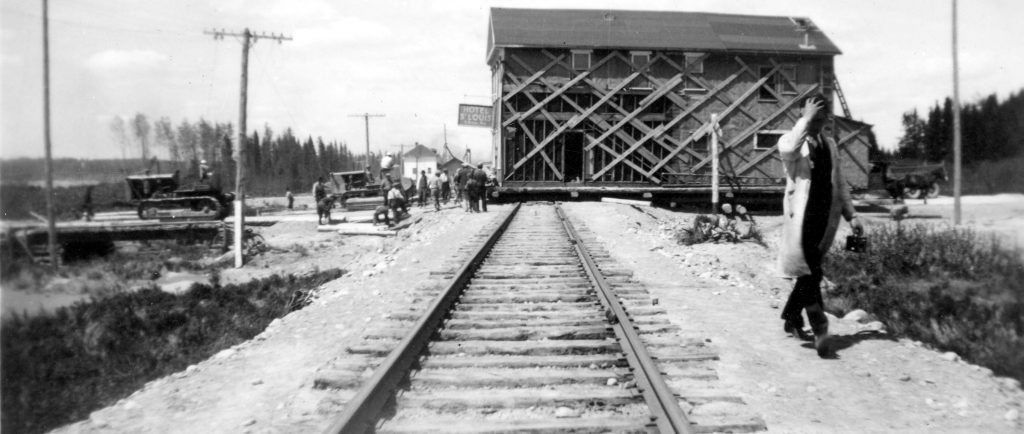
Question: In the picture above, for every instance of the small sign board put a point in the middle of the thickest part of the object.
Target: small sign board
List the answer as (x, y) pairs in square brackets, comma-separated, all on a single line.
[(475, 115)]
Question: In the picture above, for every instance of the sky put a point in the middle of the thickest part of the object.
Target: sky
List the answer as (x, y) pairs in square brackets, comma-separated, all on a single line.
[(414, 62)]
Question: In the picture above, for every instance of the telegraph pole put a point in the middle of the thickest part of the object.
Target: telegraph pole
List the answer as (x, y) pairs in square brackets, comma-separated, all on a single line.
[(956, 126), (248, 38), (51, 225), (366, 117)]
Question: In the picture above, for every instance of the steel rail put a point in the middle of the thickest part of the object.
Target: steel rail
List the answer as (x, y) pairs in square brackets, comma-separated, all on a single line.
[(665, 410), (363, 410)]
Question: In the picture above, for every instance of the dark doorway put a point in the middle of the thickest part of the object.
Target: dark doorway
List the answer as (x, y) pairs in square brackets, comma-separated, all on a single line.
[(572, 161)]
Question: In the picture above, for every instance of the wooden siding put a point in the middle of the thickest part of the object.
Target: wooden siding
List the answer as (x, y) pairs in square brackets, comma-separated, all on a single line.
[(648, 124)]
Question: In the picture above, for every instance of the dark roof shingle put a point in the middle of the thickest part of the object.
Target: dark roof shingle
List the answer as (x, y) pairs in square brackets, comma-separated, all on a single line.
[(696, 31)]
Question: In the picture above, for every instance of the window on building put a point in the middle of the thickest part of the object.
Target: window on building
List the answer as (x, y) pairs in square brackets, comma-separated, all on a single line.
[(640, 58), (767, 139), (767, 90), (827, 77), (694, 62), (702, 143), (787, 86), (581, 60)]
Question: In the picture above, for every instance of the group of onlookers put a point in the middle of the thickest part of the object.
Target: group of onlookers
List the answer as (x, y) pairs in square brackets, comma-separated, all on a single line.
[(468, 187), (473, 184)]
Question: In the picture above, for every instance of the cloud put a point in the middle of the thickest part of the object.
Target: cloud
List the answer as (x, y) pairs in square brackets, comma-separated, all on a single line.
[(121, 60)]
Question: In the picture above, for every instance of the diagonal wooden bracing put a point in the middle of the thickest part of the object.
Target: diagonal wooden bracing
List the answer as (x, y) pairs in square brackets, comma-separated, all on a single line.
[(722, 117), (753, 130), (596, 120), (622, 143), (680, 146), (538, 147)]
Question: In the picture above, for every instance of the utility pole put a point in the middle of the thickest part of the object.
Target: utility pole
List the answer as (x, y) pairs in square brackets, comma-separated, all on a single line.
[(248, 38), (714, 163), (366, 117), (956, 126), (51, 225)]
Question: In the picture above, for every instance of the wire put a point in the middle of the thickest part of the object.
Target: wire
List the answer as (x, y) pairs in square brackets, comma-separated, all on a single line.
[(273, 85)]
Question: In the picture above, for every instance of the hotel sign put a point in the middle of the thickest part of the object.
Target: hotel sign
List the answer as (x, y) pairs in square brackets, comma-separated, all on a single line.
[(475, 115)]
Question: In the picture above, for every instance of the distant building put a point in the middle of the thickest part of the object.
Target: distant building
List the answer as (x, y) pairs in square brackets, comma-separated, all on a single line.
[(451, 166), (419, 158)]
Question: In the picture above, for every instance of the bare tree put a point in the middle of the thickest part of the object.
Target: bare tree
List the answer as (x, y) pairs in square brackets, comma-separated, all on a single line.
[(164, 136), (117, 128), (141, 128)]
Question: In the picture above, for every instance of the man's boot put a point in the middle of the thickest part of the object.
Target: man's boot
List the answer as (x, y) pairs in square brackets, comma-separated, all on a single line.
[(819, 325)]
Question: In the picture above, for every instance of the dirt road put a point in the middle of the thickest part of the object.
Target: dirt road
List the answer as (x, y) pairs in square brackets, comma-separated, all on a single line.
[(727, 293)]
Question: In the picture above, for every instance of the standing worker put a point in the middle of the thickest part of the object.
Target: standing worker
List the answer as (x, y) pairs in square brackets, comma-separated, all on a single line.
[(481, 186), (446, 186), (435, 190), (469, 186), (319, 190), (457, 186), (291, 198), (816, 195), (422, 186), (385, 187), (87, 211), (386, 164)]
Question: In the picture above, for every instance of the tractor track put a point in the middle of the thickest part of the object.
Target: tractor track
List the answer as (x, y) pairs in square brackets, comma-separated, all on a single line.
[(539, 331)]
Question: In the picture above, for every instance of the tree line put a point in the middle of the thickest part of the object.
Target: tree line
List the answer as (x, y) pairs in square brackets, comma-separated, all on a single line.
[(991, 130), (274, 162)]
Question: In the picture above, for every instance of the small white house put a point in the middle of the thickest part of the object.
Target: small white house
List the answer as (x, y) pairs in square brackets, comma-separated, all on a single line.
[(419, 158)]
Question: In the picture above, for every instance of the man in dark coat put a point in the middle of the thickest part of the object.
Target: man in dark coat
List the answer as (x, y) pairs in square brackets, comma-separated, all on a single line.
[(481, 187), (816, 197), (462, 179)]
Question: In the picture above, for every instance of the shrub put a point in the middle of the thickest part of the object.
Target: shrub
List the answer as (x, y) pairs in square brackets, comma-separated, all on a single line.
[(952, 288), (57, 368)]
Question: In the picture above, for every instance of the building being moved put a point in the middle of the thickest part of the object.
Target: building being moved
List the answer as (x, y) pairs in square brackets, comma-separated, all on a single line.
[(621, 101)]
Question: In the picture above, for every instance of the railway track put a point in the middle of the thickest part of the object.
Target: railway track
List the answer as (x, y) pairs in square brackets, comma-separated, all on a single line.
[(539, 331)]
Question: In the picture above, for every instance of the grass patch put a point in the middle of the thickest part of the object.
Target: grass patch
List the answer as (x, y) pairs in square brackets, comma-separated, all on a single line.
[(101, 273), (990, 177), (954, 289), (57, 368)]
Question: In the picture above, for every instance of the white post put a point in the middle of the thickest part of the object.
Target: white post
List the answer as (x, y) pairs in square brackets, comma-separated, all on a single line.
[(714, 162), (239, 225), (957, 149)]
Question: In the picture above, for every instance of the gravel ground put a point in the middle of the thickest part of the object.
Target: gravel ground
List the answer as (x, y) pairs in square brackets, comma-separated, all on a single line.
[(726, 292)]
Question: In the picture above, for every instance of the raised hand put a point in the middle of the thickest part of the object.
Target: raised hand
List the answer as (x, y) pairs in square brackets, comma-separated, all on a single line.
[(811, 108)]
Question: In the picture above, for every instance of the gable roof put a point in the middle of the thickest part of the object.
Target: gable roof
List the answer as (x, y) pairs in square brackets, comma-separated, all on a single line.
[(696, 31), (420, 151)]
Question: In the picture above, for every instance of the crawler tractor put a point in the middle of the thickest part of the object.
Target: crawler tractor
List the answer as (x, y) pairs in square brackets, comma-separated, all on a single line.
[(162, 197)]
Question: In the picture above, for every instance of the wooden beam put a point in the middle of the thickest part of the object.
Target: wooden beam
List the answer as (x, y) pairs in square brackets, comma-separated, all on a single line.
[(722, 116), (529, 133), (573, 122), (640, 107), (600, 122), (559, 91), (655, 132), (532, 78)]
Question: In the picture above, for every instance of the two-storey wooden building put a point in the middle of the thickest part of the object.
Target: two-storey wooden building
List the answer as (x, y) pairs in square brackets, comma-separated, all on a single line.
[(622, 101)]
